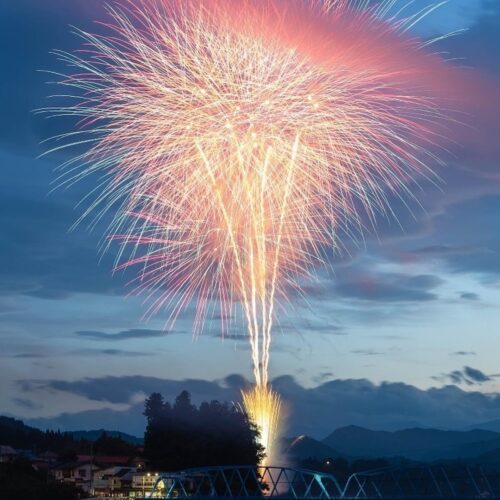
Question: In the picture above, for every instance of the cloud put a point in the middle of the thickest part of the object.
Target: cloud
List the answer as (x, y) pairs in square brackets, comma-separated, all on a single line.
[(367, 352), (136, 333), (471, 228), (315, 411), (63, 263), (476, 375), (390, 287), (467, 376), (26, 404), (122, 389), (442, 250), (469, 296), (84, 352), (321, 325), (323, 377), (25, 355), (111, 352), (463, 353)]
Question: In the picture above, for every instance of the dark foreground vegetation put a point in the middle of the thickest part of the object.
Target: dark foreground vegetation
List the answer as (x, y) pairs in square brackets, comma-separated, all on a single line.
[(20, 481)]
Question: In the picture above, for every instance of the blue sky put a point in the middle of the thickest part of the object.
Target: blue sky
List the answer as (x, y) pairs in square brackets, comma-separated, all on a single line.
[(415, 306)]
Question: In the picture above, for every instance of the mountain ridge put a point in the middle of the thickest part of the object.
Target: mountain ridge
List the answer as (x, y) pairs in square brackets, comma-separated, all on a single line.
[(415, 443)]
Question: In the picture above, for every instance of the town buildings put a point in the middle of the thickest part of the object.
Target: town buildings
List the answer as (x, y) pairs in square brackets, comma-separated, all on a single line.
[(102, 476)]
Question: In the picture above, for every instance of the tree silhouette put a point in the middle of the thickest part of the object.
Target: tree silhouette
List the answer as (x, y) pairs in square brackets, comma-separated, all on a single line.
[(153, 407), (182, 435)]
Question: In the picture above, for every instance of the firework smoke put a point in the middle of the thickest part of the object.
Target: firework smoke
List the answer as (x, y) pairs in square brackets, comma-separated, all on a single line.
[(238, 139)]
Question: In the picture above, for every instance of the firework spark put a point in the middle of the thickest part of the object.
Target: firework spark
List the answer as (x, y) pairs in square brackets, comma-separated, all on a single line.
[(238, 139)]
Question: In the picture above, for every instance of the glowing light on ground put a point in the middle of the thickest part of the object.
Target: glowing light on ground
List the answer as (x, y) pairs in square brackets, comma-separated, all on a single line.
[(263, 406)]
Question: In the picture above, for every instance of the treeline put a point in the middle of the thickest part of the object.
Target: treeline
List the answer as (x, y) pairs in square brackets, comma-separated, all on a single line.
[(182, 435), (20, 436)]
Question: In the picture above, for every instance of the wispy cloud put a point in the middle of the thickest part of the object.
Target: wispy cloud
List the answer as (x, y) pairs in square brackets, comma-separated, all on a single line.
[(137, 333), (111, 352), (467, 375)]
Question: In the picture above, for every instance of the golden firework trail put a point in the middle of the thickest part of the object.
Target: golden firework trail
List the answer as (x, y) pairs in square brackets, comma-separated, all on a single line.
[(237, 139)]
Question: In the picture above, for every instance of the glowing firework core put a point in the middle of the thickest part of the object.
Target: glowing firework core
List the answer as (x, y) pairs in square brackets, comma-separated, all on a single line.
[(241, 138)]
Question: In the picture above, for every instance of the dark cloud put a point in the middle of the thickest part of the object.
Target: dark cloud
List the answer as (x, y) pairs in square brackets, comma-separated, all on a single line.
[(137, 333), (471, 229), (469, 296), (121, 389), (111, 352), (476, 375), (63, 263), (463, 353), (322, 325), (367, 352), (77, 352), (467, 376), (390, 288), (26, 355), (315, 411), (323, 377)]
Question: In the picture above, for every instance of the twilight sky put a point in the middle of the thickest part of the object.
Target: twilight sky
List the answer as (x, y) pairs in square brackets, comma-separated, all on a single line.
[(404, 333)]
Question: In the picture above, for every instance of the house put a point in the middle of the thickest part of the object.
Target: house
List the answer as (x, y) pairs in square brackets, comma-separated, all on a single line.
[(79, 473), (7, 454), (143, 482), (112, 481)]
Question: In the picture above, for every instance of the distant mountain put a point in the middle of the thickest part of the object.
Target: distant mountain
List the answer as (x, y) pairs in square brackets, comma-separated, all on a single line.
[(492, 425), (18, 435), (304, 447), (131, 422), (95, 435), (414, 444)]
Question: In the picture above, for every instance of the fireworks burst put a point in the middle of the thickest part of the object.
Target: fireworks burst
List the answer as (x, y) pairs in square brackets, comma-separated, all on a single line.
[(237, 139)]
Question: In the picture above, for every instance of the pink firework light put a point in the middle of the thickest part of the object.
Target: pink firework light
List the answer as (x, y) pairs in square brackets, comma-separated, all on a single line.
[(238, 139)]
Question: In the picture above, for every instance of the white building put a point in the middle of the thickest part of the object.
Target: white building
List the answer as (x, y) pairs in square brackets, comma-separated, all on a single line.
[(78, 473)]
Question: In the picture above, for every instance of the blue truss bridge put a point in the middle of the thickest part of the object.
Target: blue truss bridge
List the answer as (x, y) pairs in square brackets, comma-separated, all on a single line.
[(244, 482)]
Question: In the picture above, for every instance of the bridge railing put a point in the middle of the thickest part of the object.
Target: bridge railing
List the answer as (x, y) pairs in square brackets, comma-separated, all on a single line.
[(292, 483), (247, 481)]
